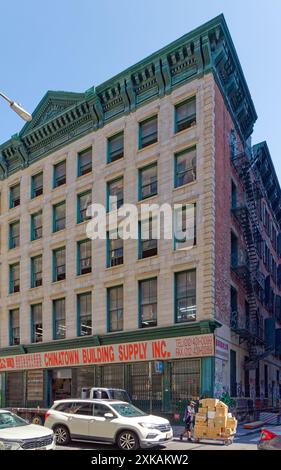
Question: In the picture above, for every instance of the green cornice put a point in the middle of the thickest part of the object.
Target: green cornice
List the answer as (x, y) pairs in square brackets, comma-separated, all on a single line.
[(174, 331), (269, 178), (62, 117)]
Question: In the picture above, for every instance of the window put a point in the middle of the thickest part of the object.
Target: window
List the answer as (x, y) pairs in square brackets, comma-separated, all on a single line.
[(83, 201), (148, 132), (185, 167), (234, 308), (185, 114), (85, 162), (14, 278), (233, 195), (59, 174), (36, 185), (114, 251), (148, 303), (185, 226), (100, 410), (59, 216), (115, 147), (36, 323), (36, 271), (14, 235), (15, 196), (115, 194), (84, 257), (234, 250), (59, 265), (147, 244), (115, 308), (233, 374), (185, 284), (36, 226), (14, 327), (148, 181), (59, 325), (84, 310)]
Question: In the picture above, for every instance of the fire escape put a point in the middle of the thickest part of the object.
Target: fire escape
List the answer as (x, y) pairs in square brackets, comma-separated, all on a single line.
[(251, 329)]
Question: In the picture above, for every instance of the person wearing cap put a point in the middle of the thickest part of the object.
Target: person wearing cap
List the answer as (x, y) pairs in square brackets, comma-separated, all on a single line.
[(188, 419)]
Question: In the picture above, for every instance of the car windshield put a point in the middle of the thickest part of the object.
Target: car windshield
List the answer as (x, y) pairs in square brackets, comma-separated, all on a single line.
[(9, 420), (128, 410), (119, 395)]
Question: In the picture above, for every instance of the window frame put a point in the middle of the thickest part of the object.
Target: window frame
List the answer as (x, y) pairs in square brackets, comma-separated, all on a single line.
[(109, 141), (12, 204), (191, 119), (11, 237), (55, 266), (176, 298), (33, 194), (141, 186), (176, 241), (32, 272), (32, 226), (109, 250), (55, 221), (78, 257), (55, 166), (147, 241), (141, 304), (116, 310), (79, 166), (79, 316), (79, 219), (11, 280), (33, 323), (191, 169), (140, 139), (12, 327), (55, 320)]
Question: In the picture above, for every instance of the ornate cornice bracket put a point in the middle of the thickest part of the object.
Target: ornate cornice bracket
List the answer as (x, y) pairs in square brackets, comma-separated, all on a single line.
[(20, 150), (3, 166)]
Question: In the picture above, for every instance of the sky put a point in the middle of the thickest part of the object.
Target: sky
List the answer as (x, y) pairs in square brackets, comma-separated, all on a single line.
[(72, 45)]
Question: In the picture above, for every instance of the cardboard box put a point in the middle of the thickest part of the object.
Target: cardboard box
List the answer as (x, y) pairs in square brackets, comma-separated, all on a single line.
[(211, 414), (209, 402), (220, 421), (203, 409), (200, 418), (221, 405), (221, 412)]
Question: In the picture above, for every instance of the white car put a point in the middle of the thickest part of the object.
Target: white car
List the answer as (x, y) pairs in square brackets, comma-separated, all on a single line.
[(18, 434), (106, 421)]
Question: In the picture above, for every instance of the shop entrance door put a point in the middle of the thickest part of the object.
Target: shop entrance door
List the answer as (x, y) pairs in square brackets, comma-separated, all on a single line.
[(61, 384), (145, 387)]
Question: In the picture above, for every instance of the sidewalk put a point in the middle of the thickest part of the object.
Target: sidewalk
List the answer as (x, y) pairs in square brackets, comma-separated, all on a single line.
[(240, 430)]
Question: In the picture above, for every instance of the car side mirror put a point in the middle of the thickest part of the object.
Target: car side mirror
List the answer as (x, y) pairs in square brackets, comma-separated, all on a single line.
[(108, 415)]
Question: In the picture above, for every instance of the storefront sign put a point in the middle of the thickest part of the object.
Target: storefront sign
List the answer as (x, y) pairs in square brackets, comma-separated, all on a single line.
[(159, 349), (222, 349)]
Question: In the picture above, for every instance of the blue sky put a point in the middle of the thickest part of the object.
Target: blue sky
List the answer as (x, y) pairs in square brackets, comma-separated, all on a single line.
[(75, 44)]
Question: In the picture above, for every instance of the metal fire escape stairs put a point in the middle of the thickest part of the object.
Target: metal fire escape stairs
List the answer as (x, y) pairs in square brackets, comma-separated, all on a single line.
[(247, 215)]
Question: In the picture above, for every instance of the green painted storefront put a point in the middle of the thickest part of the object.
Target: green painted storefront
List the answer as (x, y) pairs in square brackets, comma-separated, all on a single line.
[(162, 387)]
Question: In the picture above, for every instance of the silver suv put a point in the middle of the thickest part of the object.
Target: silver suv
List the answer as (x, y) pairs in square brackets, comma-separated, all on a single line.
[(106, 421)]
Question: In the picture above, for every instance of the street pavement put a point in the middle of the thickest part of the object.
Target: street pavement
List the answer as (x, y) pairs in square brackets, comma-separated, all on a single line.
[(241, 442)]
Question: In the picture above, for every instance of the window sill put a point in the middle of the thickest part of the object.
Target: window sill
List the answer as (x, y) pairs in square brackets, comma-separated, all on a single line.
[(79, 276), (31, 289), (109, 164), (149, 198), (186, 185), (81, 177), (55, 283), (141, 150), (109, 268), (192, 127), (147, 258)]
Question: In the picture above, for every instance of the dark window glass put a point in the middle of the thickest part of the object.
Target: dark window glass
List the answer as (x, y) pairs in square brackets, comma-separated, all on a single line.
[(115, 147), (59, 217), (59, 319), (15, 196), (148, 245), (148, 303), (60, 174), (148, 132), (84, 200), (85, 313), (185, 115), (36, 271), (185, 296), (59, 264), (14, 236), (36, 226), (37, 185), (14, 278), (37, 323), (148, 181), (85, 162), (185, 227), (84, 257), (115, 251), (115, 189), (185, 167), (14, 327), (115, 308)]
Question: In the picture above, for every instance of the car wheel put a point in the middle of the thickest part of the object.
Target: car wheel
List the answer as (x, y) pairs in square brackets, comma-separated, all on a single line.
[(37, 420), (128, 440), (62, 436)]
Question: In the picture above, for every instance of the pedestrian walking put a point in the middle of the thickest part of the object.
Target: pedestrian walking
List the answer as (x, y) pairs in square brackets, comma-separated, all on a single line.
[(189, 420)]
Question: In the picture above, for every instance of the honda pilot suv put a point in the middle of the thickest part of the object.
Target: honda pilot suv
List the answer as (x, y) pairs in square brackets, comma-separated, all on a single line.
[(106, 421)]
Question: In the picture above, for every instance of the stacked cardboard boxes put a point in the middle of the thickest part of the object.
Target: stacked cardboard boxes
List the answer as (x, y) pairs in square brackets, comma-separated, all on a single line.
[(213, 420)]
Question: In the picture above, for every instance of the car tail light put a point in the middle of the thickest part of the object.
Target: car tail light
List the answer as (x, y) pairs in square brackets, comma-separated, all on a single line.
[(47, 414), (267, 435)]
